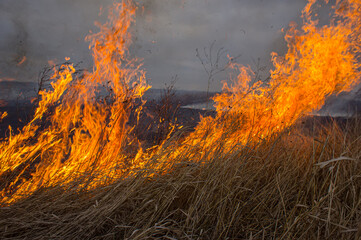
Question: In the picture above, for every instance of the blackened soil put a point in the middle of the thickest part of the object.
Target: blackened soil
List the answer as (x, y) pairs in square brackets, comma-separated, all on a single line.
[(154, 124), (18, 116)]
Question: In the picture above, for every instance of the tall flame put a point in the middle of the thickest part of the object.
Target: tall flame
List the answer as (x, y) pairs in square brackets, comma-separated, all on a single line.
[(77, 129), (81, 134), (321, 60)]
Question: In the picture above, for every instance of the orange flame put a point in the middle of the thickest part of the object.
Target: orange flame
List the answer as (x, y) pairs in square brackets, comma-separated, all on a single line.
[(79, 134), (77, 130), (320, 61)]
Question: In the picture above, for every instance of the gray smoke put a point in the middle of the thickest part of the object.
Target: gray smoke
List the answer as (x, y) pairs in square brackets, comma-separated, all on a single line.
[(166, 35), (34, 32), (170, 31)]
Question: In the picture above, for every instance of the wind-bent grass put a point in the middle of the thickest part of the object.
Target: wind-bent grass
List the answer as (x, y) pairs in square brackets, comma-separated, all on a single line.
[(297, 186)]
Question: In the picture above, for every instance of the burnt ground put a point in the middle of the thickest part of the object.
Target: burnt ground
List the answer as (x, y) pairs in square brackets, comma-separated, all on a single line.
[(18, 116), (164, 108), (155, 120), (21, 114)]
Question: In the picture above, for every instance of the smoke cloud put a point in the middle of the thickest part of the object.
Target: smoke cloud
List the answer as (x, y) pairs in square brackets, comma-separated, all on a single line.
[(166, 35)]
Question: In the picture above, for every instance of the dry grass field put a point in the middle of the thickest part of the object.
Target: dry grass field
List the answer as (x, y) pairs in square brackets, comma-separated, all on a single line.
[(303, 184), (94, 161)]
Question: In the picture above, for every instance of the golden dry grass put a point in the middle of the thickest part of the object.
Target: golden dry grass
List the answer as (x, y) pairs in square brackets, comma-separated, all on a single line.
[(275, 190)]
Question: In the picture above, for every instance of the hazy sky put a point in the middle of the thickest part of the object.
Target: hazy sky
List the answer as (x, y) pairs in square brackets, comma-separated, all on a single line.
[(166, 35)]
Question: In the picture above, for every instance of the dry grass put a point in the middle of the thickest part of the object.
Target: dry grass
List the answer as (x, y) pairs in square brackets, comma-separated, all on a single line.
[(276, 190)]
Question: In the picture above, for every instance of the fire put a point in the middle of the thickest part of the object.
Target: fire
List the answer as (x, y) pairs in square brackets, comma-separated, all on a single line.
[(78, 130), (80, 136), (321, 60)]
